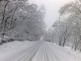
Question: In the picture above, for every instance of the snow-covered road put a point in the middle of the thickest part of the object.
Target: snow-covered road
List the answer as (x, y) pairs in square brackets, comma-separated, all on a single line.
[(37, 51)]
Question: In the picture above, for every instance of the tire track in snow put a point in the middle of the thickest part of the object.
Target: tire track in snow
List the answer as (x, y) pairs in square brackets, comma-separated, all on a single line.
[(52, 54), (46, 54), (39, 54), (43, 51), (29, 52)]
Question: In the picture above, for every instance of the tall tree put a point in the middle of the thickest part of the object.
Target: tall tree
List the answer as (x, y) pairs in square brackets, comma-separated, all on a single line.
[(73, 10), (8, 8), (31, 17)]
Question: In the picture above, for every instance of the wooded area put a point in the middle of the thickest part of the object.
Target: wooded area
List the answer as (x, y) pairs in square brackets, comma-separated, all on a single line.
[(67, 29)]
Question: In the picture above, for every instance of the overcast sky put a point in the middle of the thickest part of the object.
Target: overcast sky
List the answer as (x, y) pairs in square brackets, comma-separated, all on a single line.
[(52, 7)]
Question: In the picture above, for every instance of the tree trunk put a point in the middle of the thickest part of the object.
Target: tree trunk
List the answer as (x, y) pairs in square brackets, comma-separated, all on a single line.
[(75, 46), (63, 43), (60, 40), (2, 35)]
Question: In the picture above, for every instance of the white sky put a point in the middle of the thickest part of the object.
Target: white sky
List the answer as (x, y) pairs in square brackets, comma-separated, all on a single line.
[(52, 7)]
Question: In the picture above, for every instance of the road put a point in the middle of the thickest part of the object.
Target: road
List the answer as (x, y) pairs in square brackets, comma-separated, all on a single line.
[(42, 51)]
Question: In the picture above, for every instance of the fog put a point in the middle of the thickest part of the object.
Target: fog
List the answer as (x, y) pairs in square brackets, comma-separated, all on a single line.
[(52, 8)]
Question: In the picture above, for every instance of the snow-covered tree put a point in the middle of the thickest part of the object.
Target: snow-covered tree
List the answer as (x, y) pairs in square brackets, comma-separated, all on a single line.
[(30, 24), (8, 8), (70, 16)]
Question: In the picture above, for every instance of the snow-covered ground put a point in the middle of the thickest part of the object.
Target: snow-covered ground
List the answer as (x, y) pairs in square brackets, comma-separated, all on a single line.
[(36, 51)]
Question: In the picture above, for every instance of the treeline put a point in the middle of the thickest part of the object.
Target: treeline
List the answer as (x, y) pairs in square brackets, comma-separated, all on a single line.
[(21, 20), (67, 29)]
